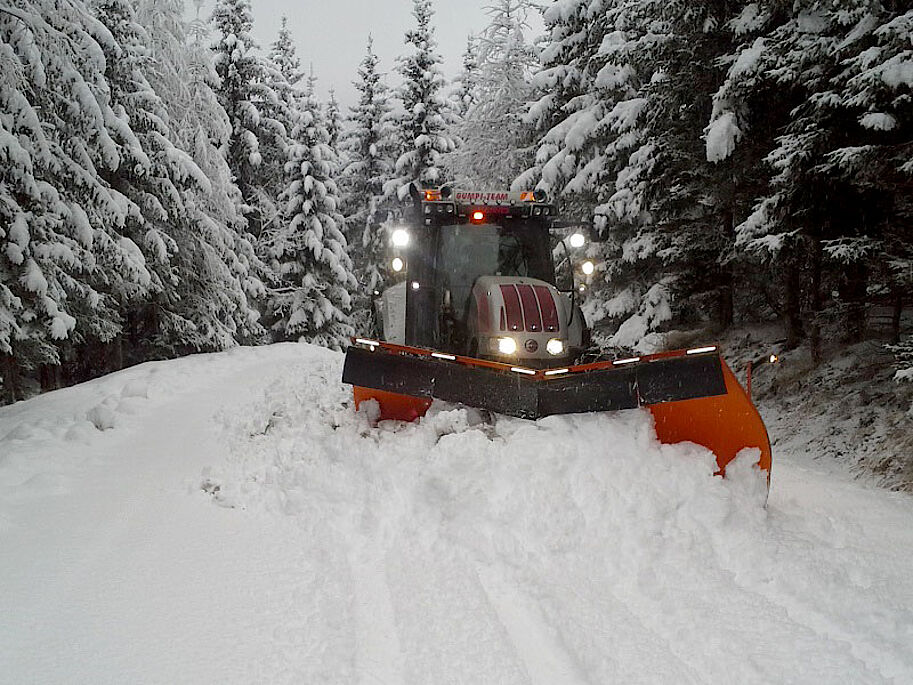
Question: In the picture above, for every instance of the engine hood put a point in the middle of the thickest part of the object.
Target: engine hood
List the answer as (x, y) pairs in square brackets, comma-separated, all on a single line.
[(530, 311)]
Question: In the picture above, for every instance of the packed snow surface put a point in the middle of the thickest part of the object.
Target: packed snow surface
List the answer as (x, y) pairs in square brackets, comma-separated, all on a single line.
[(230, 518)]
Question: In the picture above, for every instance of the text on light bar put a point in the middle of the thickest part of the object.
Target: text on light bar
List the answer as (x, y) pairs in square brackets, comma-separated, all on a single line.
[(365, 341), (701, 350), (632, 360), (441, 355), (528, 372), (556, 372)]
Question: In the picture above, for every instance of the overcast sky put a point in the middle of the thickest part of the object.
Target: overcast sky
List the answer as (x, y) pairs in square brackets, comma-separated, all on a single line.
[(333, 34)]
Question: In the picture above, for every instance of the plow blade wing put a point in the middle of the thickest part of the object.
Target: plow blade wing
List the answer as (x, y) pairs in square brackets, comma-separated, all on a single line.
[(693, 398), (725, 424)]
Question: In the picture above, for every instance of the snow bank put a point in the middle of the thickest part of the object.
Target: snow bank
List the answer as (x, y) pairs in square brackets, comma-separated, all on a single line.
[(454, 508)]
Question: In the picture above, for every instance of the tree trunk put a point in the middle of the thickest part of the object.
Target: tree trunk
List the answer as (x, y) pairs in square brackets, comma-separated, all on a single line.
[(12, 386), (854, 291), (814, 301), (49, 377), (792, 304), (115, 354), (895, 317), (726, 305), (726, 300)]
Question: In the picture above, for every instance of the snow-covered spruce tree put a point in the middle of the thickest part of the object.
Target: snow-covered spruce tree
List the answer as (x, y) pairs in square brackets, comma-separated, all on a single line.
[(423, 122), (334, 124), (848, 141), (216, 274), (567, 98), (669, 224), (231, 268), (750, 111), (595, 155), (61, 223), (244, 92), (366, 145), (633, 296), (465, 93), (695, 192), (877, 86), (496, 142), (152, 175), (461, 97), (308, 252), (42, 253), (334, 119), (282, 73), (282, 56)]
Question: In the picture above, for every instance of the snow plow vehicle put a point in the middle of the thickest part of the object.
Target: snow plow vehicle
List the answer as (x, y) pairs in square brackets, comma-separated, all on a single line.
[(480, 317)]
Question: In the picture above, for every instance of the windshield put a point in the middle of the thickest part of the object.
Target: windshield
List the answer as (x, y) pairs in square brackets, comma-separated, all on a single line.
[(468, 251)]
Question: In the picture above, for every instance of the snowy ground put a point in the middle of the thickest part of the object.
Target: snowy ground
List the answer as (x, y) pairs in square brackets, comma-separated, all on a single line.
[(236, 522)]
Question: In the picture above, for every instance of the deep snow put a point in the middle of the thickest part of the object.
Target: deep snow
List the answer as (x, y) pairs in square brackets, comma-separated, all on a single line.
[(230, 518)]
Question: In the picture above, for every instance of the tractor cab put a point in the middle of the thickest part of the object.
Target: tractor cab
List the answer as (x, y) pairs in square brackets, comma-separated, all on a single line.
[(478, 278)]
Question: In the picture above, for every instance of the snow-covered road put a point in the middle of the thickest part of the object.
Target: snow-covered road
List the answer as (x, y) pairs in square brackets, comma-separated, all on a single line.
[(238, 522)]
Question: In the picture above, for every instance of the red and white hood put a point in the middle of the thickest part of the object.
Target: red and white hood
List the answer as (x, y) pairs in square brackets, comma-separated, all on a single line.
[(530, 311)]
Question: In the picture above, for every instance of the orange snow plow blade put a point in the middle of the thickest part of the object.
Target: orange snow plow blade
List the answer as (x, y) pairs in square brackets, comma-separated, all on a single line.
[(692, 394), (392, 405), (725, 424)]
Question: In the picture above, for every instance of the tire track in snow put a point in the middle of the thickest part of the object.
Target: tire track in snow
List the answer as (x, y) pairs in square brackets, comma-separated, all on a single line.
[(611, 641), (804, 557), (378, 659), (540, 649)]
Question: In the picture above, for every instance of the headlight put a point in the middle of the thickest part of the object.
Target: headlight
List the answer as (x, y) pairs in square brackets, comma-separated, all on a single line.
[(400, 237), (398, 264), (507, 346), (577, 240), (555, 347), (588, 267)]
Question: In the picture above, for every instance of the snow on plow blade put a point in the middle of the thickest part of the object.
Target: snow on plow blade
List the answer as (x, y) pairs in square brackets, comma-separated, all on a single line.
[(693, 396)]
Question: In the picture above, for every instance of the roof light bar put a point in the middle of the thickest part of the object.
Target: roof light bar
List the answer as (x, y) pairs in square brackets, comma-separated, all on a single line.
[(556, 372), (632, 360), (701, 350), (366, 341), (441, 355), (518, 369)]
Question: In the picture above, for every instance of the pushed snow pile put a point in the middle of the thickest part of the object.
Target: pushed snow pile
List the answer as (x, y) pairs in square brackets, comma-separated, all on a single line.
[(492, 549), (242, 523)]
